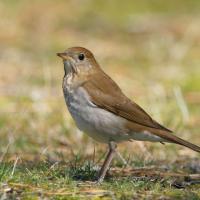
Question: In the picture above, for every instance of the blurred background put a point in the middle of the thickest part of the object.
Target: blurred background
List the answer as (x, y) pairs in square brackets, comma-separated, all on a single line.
[(150, 48)]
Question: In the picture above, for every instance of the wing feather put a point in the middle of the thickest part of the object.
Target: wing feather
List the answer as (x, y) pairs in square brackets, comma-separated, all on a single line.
[(109, 96)]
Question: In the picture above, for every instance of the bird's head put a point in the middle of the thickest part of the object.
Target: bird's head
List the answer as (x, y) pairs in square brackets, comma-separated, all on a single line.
[(78, 60)]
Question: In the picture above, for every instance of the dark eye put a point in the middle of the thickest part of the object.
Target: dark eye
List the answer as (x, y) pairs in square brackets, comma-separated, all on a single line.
[(81, 56)]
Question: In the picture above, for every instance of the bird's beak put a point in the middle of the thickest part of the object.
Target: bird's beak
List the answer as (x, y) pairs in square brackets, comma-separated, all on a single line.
[(64, 56), (68, 62)]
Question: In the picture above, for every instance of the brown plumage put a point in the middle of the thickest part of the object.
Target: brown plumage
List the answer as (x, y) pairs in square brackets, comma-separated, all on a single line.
[(100, 108), (106, 94)]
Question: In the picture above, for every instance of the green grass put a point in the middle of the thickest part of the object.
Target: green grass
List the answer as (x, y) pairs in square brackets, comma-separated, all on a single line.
[(67, 180), (150, 48)]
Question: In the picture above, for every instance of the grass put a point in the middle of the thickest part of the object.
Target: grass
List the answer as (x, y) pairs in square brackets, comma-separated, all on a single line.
[(151, 49), (67, 181)]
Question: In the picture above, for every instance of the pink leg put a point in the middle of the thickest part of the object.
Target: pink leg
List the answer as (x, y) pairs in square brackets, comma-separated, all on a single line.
[(106, 164)]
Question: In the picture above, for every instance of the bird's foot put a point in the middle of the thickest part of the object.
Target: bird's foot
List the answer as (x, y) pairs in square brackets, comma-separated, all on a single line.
[(99, 181)]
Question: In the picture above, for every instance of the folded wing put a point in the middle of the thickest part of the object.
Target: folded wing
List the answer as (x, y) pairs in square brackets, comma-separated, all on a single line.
[(109, 96)]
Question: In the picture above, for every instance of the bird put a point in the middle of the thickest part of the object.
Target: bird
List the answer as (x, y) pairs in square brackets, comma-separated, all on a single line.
[(101, 110)]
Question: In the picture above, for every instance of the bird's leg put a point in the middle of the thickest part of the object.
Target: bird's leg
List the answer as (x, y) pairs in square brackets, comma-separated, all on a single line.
[(106, 164)]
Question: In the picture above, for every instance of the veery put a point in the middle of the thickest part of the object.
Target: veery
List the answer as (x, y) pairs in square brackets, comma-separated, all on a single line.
[(100, 109)]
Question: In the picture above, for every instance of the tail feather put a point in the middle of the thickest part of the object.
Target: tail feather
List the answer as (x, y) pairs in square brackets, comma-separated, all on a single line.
[(187, 144), (172, 138)]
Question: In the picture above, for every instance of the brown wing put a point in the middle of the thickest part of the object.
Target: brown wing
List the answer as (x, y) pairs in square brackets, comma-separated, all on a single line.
[(109, 96), (106, 94)]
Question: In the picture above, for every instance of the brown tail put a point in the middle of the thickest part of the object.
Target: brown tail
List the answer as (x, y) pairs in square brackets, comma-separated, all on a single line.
[(180, 141), (172, 138)]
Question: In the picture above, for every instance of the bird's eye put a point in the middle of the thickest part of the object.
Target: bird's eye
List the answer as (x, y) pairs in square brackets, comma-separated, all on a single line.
[(81, 56)]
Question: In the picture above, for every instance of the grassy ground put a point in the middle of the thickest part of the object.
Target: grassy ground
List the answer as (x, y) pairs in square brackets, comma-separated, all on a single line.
[(150, 48)]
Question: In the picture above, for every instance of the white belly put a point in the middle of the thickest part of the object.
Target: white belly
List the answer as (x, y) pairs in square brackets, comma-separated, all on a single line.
[(98, 123)]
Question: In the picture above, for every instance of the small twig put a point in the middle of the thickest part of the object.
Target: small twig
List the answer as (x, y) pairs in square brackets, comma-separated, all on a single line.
[(154, 172)]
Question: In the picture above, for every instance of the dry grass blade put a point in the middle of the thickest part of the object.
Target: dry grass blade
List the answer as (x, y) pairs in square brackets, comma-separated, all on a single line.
[(61, 192)]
